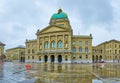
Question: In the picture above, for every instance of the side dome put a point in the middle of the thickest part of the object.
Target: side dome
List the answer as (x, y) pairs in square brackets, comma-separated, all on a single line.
[(59, 15)]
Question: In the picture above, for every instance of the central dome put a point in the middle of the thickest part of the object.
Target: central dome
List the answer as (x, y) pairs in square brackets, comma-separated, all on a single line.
[(59, 15)]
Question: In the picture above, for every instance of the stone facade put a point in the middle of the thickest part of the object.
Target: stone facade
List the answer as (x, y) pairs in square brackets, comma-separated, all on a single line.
[(17, 53), (2, 56), (31, 50), (57, 44), (108, 51), (1, 48)]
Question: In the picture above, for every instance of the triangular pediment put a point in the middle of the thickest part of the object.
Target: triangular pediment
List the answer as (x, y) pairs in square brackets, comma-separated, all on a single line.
[(53, 28)]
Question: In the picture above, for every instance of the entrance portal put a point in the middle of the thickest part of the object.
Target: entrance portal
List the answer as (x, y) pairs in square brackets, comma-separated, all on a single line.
[(93, 59), (46, 58), (96, 58), (22, 59), (52, 58), (59, 58)]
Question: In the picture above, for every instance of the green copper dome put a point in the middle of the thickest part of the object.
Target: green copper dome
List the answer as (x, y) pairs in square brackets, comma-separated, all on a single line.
[(58, 15)]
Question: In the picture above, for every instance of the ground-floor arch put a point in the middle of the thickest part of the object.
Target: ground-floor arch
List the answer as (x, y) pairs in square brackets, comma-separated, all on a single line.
[(45, 58), (52, 58), (59, 58), (93, 58), (100, 58), (96, 58), (22, 59)]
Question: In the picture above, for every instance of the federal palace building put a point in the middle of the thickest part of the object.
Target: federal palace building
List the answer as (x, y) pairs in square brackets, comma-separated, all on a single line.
[(56, 43)]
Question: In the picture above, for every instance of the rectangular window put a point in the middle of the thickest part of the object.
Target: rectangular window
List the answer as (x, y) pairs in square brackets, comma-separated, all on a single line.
[(73, 42), (39, 58), (73, 49), (80, 49), (62, 25), (80, 56), (32, 57), (86, 42), (86, 56), (115, 51), (80, 42), (86, 50), (33, 51)]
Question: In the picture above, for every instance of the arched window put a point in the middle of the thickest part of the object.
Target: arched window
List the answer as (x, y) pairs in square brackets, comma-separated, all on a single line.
[(53, 45), (74, 49), (59, 44), (80, 49), (46, 45), (86, 50)]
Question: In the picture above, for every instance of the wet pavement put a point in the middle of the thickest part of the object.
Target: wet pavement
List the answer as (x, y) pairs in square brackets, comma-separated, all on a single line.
[(13, 72)]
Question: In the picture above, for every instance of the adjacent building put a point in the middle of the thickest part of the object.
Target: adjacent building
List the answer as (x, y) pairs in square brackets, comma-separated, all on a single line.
[(17, 53), (108, 51), (2, 56), (31, 51), (57, 44), (2, 48)]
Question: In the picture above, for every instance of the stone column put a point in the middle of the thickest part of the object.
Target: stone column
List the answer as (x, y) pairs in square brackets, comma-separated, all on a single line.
[(38, 45), (49, 58), (63, 58), (42, 58), (43, 40), (56, 41), (49, 43), (56, 58), (69, 43), (69, 58), (63, 41)]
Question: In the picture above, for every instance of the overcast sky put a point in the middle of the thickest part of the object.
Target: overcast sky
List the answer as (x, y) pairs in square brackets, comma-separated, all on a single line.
[(20, 19)]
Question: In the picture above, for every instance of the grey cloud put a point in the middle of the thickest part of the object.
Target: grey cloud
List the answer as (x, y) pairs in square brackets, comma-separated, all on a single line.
[(24, 17), (91, 11)]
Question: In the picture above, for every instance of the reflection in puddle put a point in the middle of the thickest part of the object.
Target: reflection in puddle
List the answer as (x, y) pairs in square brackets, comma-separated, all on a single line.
[(79, 73), (60, 73)]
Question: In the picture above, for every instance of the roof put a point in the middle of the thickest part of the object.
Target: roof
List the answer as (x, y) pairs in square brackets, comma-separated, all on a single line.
[(59, 15), (32, 40), (2, 44), (113, 40), (81, 36), (21, 47)]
